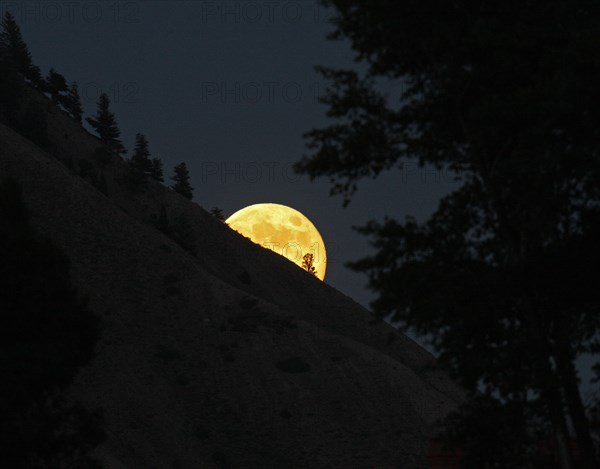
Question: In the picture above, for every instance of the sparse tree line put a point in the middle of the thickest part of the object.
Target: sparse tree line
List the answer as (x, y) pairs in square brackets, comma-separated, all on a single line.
[(29, 118), (39, 426)]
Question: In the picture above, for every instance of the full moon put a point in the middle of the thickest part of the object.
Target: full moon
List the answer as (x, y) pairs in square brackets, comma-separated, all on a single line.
[(283, 230)]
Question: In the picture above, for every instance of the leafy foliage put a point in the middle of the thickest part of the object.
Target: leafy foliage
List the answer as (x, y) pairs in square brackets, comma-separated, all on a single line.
[(505, 97)]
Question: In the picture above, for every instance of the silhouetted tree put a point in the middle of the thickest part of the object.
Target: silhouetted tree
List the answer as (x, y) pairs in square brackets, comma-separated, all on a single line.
[(505, 266), (141, 161), (48, 333), (56, 84), (10, 87), (217, 213), (308, 263), (105, 124), (156, 170), (141, 155), (73, 103), (17, 51), (181, 178)]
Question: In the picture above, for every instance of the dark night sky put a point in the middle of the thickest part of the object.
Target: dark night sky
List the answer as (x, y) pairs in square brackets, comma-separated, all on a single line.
[(228, 87)]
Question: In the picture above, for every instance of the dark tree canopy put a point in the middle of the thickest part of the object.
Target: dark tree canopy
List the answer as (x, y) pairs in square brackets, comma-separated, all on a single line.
[(308, 261), (73, 103), (156, 170), (48, 333), (105, 125), (181, 178), (217, 213), (506, 96), (141, 155), (10, 88), (17, 51), (56, 85), (141, 161)]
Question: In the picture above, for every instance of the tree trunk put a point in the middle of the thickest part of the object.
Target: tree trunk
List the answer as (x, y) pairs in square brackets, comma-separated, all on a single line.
[(551, 397), (549, 386), (569, 381)]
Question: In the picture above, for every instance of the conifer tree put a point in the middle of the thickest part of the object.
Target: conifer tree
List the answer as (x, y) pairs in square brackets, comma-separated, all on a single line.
[(11, 88), (217, 213), (182, 181), (141, 155), (308, 263), (55, 85), (156, 170), (105, 124), (17, 50), (73, 103)]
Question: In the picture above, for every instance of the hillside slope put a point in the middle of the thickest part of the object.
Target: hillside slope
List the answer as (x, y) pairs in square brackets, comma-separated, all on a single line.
[(232, 357)]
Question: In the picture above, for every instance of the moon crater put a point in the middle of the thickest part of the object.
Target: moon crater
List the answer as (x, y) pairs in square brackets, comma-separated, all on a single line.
[(283, 230)]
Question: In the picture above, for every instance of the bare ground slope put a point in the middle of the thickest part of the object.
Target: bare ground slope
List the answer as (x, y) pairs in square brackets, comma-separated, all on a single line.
[(232, 357)]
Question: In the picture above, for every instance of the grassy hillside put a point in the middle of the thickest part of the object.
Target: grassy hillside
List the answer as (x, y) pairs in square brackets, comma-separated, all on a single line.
[(216, 352)]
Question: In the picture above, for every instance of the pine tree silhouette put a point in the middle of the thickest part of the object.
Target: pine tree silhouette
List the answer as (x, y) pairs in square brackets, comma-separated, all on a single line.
[(17, 50), (105, 124), (217, 213), (156, 170), (73, 102), (182, 181), (308, 263), (141, 155), (11, 88), (56, 84)]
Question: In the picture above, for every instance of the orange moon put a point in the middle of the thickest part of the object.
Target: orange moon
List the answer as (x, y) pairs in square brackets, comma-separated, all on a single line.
[(283, 230)]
